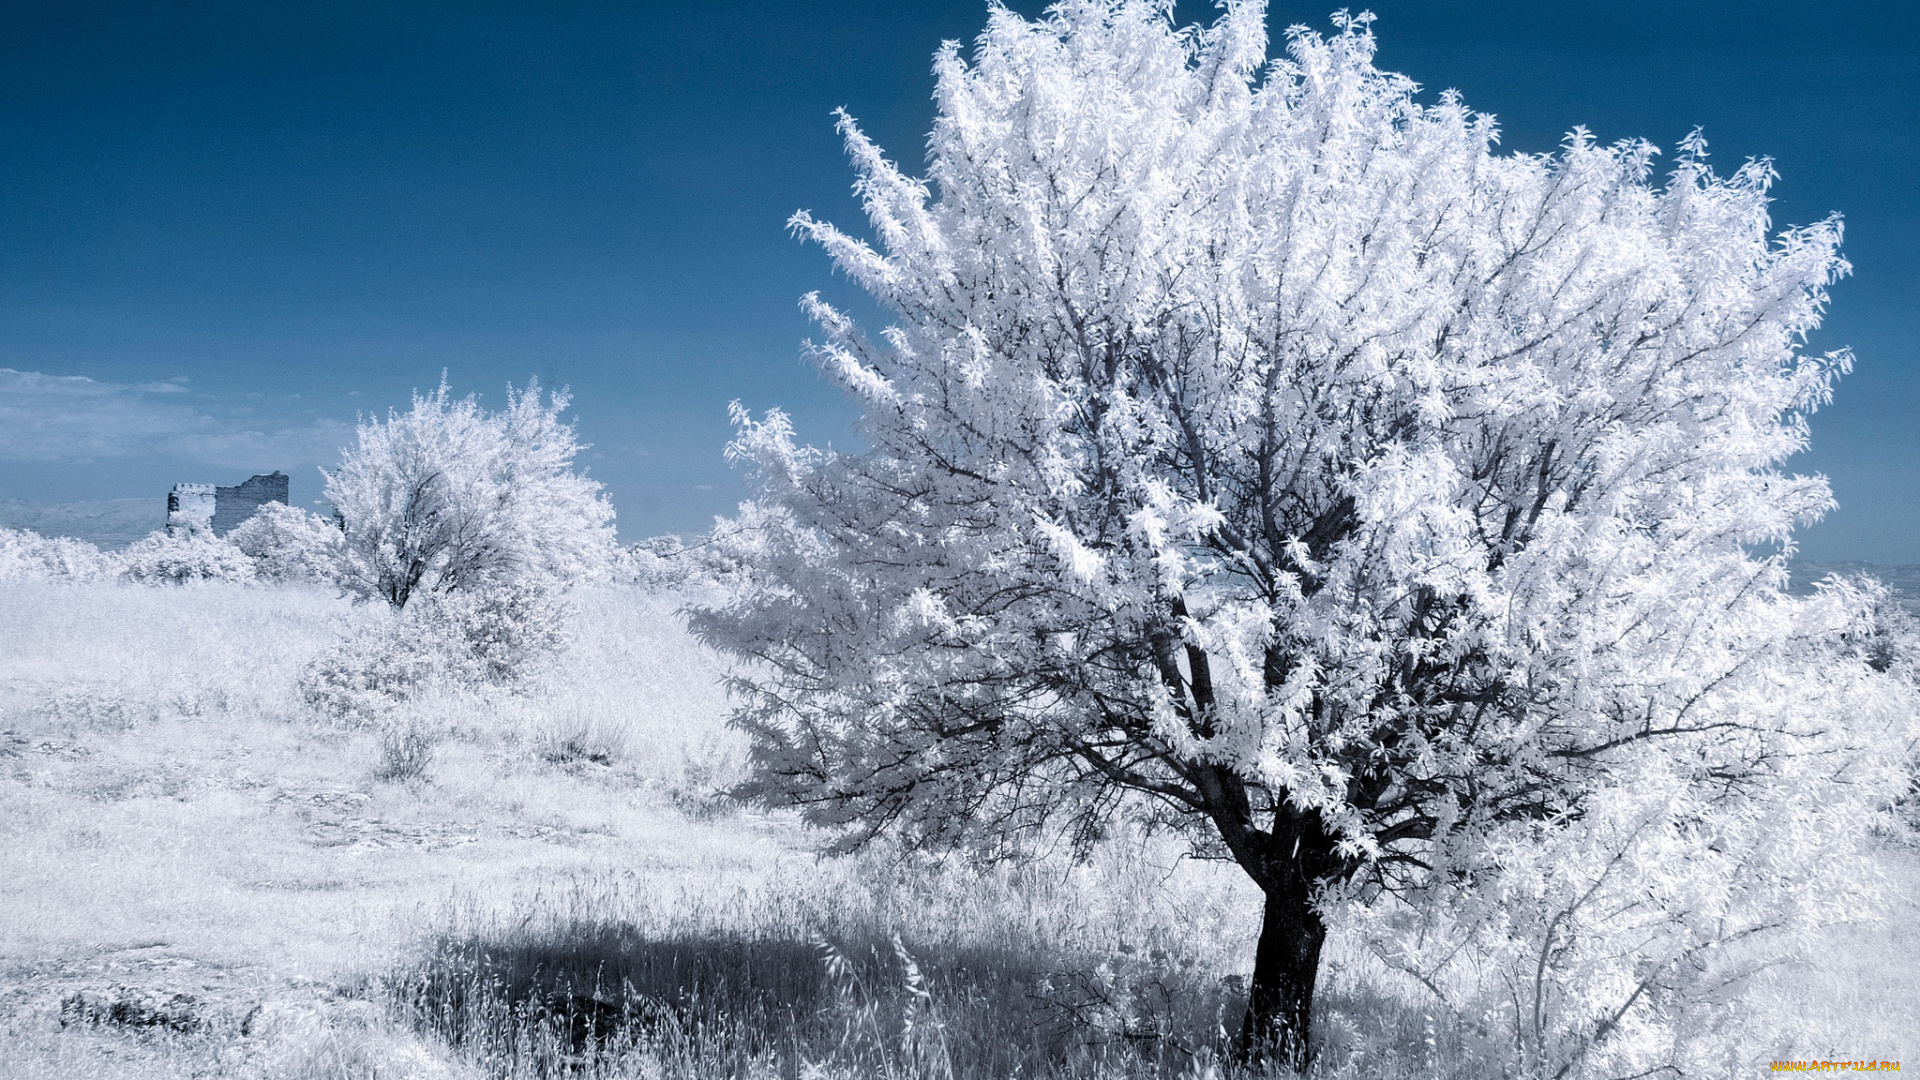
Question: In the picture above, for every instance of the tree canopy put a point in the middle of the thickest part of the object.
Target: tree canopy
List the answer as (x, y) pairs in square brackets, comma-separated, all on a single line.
[(1256, 451)]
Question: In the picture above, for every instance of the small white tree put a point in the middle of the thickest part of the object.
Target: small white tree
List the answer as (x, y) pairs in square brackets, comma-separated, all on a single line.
[(449, 497), (1257, 453)]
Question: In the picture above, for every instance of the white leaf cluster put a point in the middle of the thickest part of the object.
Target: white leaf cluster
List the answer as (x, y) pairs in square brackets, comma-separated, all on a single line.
[(1618, 938)]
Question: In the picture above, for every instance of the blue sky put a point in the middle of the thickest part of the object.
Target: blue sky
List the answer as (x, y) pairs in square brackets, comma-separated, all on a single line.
[(227, 227)]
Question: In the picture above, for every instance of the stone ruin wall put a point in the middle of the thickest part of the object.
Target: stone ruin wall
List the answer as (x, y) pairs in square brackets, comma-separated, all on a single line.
[(189, 505), (233, 505), (222, 509)]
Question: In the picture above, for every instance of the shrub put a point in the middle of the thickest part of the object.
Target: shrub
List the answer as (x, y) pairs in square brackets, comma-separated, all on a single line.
[(476, 638), (27, 556), (287, 543), (405, 752), (194, 555)]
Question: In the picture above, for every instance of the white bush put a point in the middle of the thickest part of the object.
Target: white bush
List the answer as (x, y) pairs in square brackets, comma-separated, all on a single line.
[(474, 638), (287, 543), (28, 556), (362, 676), (670, 564), (195, 555)]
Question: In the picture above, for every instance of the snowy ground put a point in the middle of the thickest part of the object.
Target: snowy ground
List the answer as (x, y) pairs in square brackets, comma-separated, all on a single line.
[(186, 839)]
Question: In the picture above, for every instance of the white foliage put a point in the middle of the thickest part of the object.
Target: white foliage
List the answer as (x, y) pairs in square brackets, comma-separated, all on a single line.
[(1618, 940), (471, 638), (470, 525), (188, 555), (27, 556), (288, 543), (669, 564), (448, 496), (1257, 451)]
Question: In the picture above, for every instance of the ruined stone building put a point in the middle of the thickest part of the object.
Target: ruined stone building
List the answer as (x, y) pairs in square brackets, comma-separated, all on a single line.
[(222, 509)]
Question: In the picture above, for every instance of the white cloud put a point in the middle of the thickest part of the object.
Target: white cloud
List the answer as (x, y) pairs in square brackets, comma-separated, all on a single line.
[(77, 420)]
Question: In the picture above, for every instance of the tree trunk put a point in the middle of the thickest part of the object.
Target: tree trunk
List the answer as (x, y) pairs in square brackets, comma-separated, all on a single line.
[(1286, 965)]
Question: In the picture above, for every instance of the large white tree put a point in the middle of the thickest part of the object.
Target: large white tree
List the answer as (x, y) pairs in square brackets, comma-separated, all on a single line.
[(449, 497), (1257, 452)]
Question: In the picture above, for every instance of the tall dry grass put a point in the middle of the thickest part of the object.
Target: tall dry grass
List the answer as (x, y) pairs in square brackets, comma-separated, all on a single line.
[(857, 967)]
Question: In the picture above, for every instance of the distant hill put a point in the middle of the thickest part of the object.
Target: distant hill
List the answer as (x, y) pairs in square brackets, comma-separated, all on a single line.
[(111, 523)]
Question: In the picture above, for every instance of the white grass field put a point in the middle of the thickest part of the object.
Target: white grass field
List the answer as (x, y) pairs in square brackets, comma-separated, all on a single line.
[(205, 876)]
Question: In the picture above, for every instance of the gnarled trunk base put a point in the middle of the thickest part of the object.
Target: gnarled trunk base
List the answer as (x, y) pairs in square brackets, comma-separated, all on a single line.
[(1285, 967)]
